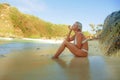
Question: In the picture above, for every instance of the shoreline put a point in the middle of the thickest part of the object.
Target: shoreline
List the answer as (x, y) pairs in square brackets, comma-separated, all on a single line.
[(36, 40), (44, 40)]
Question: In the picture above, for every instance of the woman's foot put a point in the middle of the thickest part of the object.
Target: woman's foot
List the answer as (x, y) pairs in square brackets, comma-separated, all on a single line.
[(55, 57)]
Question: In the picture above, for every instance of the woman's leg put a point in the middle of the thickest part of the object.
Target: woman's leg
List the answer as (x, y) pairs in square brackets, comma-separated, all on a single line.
[(77, 52), (60, 50)]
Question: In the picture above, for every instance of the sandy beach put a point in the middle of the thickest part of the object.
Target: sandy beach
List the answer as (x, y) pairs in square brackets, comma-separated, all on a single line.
[(27, 60)]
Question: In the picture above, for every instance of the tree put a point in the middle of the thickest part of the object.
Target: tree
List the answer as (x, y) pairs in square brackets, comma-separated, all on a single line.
[(96, 29)]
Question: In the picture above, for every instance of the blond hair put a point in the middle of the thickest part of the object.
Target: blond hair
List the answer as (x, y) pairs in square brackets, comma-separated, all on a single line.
[(79, 25)]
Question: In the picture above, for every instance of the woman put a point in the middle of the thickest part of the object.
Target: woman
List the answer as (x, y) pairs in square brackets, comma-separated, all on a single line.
[(80, 46)]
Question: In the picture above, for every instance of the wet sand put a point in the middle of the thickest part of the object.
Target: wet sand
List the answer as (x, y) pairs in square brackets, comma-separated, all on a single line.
[(32, 61)]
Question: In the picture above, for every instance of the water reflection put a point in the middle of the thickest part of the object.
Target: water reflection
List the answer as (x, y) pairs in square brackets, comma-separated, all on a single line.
[(77, 69), (32, 61), (23, 46), (98, 68)]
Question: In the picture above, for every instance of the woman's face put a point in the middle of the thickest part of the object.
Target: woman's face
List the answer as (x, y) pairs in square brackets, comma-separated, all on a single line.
[(75, 27)]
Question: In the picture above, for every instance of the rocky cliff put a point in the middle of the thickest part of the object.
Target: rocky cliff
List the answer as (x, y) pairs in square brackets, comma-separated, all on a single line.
[(110, 36)]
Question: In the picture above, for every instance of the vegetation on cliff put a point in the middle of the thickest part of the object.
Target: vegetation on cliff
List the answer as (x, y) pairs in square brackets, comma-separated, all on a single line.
[(16, 24)]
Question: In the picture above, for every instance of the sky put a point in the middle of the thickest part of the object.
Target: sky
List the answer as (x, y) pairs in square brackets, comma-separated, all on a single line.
[(68, 11)]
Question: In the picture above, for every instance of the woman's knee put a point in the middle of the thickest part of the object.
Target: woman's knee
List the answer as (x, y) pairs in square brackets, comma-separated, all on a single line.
[(65, 42)]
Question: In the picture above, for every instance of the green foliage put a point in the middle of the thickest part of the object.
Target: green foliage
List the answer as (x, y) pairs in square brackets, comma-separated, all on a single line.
[(86, 33), (30, 26)]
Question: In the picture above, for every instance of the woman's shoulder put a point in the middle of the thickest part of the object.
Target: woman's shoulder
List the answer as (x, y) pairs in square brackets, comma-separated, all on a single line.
[(79, 34)]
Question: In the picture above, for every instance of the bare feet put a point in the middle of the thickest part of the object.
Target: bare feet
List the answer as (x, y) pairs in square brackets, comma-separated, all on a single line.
[(54, 57)]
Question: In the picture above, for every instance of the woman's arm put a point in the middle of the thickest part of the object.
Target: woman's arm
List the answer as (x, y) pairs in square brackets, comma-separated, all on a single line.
[(72, 38), (68, 36), (79, 40)]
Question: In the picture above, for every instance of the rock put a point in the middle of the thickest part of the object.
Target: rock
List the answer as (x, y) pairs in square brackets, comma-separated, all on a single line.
[(110, 36), (2, 55), (38, 48)]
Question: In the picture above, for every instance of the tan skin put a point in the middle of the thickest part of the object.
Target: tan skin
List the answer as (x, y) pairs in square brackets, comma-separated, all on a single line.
[(74, 49)]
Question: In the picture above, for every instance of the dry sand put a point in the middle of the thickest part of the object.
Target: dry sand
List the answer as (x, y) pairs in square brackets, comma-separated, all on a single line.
[(36, 64)]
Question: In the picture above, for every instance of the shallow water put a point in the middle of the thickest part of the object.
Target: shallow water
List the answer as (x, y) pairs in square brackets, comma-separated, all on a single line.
[(32, 61)]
